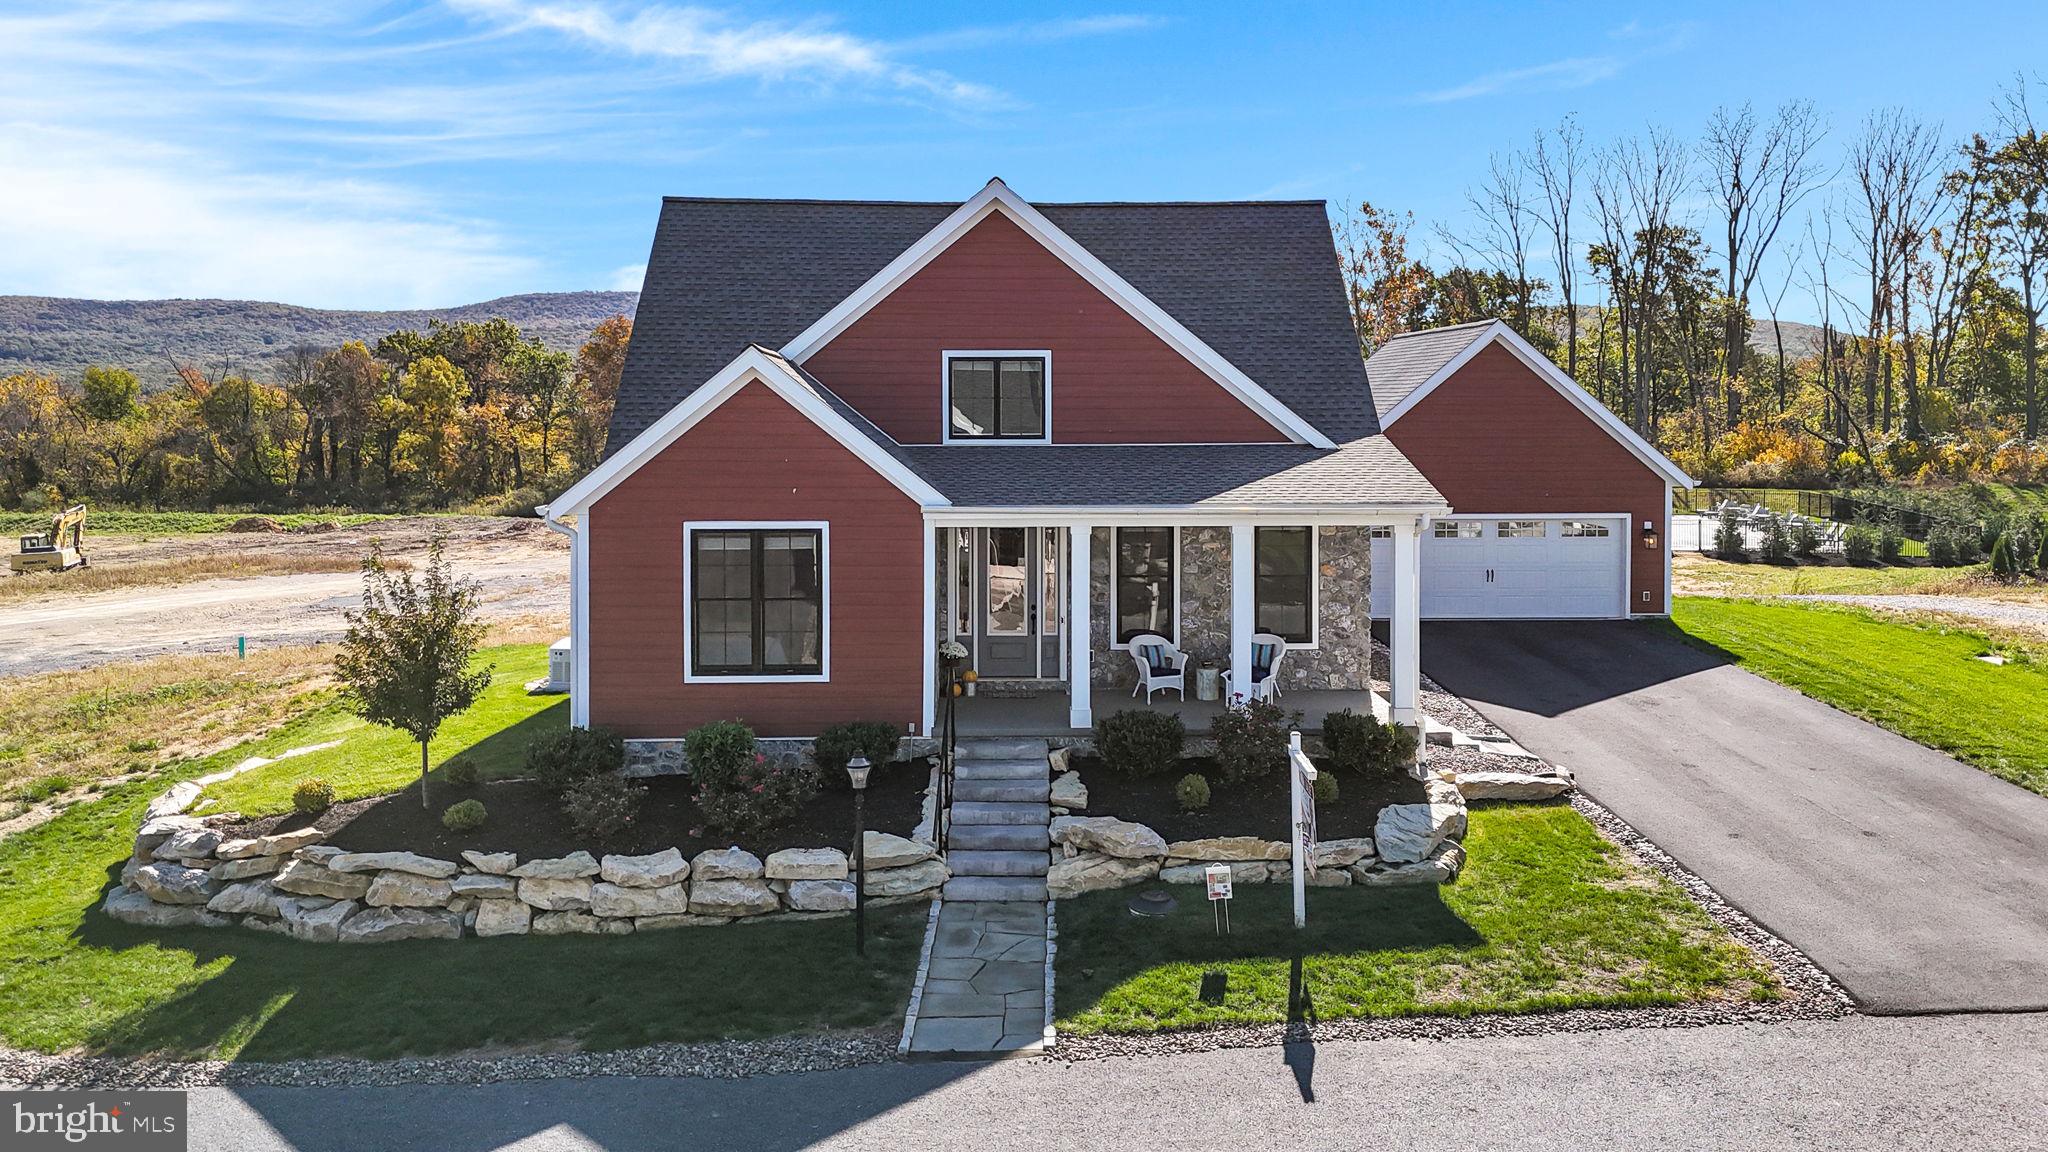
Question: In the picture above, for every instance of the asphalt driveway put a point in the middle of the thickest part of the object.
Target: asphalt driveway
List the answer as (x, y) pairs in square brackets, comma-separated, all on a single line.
[(1917, 881)]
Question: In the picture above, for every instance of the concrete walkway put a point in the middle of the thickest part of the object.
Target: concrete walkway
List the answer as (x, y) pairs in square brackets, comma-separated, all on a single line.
[(984, 991)]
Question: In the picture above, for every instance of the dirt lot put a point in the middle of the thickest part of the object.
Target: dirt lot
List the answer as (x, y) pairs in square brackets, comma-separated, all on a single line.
[(524, 568)]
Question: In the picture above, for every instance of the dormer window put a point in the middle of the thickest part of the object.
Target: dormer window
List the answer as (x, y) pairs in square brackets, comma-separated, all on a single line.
[(998, 397)]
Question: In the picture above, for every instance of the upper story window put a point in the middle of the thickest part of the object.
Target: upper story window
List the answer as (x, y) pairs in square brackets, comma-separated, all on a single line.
[(998, 396)]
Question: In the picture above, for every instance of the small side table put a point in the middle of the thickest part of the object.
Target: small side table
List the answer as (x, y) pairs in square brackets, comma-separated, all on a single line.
[(1208, 684)]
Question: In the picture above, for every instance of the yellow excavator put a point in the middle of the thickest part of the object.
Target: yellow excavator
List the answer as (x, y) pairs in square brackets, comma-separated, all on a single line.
[(60, 549)]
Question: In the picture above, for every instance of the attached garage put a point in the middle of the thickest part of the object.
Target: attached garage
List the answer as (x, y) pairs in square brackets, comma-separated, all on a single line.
[(1559, 510)]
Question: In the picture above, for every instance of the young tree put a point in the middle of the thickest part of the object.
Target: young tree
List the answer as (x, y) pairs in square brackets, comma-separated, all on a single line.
[(599, 364), (1556, 166), (1384, 286), (405, 657)]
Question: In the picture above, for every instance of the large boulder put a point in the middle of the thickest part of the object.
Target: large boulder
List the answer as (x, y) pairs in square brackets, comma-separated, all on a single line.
[(1342, 853), (574, 866), (553, 895), (1241, 872), (317, 854), (655, 923), (168, 883), (820, 895), (1441, 867), (1108, 836), (188, 844), (491, 863), (565, 924), (1094, 871), (888, 850), (246, 868), (918, 877), (732, 897), (733, 863), (316, 920), (1406, 833), (807, 864), (280, 844), (1068, 793), (607, 899), (251, 897), (410, 863), (484, 887), (1223, 849), (377, 925), (130, 906), (503, 918), (155, 832), (178, 798), (1512, 785), (657, 870), (407, 890), (303, 877)]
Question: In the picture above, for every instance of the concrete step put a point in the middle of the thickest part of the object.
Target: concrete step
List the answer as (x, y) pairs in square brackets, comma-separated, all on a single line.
[(994, 888), (1025, 769), (998, 838), (1001, 812), (1014, 791), (997, 748), (997, 863)]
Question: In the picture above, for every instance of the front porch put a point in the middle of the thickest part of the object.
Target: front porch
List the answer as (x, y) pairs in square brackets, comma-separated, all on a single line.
[(1048, 714)]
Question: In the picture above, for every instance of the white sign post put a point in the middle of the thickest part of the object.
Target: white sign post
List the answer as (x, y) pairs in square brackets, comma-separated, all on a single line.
[(1218, 877), (1302, 777)]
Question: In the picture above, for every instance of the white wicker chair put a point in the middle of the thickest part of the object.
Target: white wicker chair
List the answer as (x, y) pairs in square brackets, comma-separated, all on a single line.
[(1160, 665), (1267, 652)]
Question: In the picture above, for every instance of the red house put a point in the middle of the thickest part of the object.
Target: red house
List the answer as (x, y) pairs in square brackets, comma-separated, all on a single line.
[(851, 432)]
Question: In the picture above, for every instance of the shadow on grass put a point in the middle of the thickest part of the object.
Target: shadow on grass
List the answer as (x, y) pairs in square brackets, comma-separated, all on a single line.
[(503, 753)]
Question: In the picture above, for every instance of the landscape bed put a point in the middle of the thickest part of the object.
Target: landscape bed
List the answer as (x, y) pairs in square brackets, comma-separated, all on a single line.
[(1258, 807)]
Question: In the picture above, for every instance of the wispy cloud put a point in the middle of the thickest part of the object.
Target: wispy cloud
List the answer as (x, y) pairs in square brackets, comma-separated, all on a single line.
[(1032, 32), (628, 278), (1572, 71)]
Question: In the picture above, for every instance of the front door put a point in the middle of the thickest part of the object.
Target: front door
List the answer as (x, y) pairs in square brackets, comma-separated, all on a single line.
[(1017, 601)]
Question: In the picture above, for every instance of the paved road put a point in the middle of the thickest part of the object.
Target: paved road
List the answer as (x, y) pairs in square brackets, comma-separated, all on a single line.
[(1975, 1082), (1918, 882)]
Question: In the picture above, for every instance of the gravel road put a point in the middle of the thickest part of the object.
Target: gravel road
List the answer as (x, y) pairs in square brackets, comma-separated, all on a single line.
[(1974, 607)]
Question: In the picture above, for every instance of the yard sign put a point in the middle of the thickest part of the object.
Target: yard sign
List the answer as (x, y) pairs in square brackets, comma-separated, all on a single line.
[(1302, 779)]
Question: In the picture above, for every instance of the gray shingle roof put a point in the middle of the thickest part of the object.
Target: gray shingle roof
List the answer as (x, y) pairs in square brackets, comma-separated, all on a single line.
[(1258, 282), (1402, 364), (1368, 471)]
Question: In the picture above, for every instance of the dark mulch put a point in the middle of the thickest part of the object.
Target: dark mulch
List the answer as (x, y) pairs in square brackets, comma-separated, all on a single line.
[(526, 819), (1258, 808)]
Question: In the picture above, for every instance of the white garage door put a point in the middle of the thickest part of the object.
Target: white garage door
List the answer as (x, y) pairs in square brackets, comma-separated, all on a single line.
[(1493, 567)]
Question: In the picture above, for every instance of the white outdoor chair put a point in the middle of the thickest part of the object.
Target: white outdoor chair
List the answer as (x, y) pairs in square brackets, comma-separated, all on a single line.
[(1267, 652), (1160, 665)]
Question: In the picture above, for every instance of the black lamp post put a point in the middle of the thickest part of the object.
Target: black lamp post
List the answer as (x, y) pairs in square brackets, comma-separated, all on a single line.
[(857, 772)]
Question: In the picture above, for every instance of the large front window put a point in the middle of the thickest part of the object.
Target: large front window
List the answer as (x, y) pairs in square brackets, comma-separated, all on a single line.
[(757, 604), (1283, 593), (995, 398), (1145, 599)]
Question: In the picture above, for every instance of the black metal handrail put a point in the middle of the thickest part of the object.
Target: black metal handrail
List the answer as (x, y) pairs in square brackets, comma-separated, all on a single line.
[(949, 734)]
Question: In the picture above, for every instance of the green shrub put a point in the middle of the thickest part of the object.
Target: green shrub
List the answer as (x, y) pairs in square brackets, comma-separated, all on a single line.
[(1806, 539), (1251, 739), (599, 807), (462, 772), (1325, 788), (2041, 557), (1859, 544), (311, 796), (738, 788), (1192, 792), (464, 816), (1891, 541), (1356, 743), (560, 761), (1136, 742), (1941, 549), (1777, 547), (840, 743), (1728, 536), (2003, 564)]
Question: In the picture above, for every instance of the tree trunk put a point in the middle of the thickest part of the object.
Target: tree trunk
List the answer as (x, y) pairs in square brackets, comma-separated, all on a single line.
[(423, 777), (2033, 319)]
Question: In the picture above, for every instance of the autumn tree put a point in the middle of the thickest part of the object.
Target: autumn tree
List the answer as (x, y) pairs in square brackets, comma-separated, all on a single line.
[(600, 363), (1385, 286)]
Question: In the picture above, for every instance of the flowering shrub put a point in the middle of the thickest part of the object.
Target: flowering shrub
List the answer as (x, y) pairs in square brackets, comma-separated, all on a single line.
[(738, 788), (1251, 739), (599, 807), (565, 759)]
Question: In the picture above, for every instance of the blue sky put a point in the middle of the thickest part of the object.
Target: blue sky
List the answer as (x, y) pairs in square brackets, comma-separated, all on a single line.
[(398, 155)]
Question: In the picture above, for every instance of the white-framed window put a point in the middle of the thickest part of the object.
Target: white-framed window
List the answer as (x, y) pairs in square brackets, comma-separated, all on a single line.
[(756, 602), (1456, 529), (999, 396), (1584, 529), (1520, 529), (1284, 583), (1144, 587)]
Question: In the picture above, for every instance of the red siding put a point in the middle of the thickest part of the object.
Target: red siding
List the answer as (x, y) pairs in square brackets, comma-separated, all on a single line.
[(1113, 381), (755, 458), (1495, 438)]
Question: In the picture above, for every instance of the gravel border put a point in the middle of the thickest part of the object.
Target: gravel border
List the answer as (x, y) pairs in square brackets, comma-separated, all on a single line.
[(719, 1060), (1809, 993)]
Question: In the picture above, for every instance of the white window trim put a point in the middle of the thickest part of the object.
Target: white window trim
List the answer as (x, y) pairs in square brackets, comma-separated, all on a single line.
[(946, 359), (1115, 616), (824, 530), (1315, 585)]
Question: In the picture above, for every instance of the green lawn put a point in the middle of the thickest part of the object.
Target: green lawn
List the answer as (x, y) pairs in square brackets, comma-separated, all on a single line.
[(124, 522), (1548, 915), (1708, 574), (70, 979), (1918, 679), (372, 760)]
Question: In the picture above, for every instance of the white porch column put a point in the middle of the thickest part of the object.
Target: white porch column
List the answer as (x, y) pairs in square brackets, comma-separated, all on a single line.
[(1243, 568), (1404, 631), (1080, 628), (928, 712), (579, 622)]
